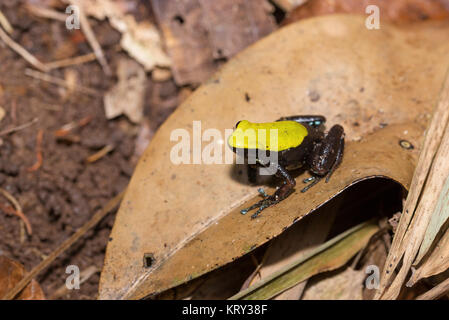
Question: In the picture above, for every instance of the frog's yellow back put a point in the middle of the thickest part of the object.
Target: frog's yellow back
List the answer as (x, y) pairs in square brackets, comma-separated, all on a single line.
[(271, 136)]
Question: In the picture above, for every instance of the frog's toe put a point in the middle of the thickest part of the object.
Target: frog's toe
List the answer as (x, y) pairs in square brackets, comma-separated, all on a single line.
[(262, 193), (309, 179), (313, 181)]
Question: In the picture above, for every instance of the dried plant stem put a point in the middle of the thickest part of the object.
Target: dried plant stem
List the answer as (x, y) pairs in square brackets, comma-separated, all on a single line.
[(60, 82), (97, 217), (87, 30), (415, 217), (70, 61), (435, 292), (5, 23), (22, 52), (100, 154), (18, 128), (47, 13), (17, 209), (39, 158)]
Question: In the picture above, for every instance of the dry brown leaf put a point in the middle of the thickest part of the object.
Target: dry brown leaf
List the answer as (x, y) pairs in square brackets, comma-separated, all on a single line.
[(391, 10), (127, 96), (11, 272), (141, 40), (186, 217), (198, 34), (346, 284)]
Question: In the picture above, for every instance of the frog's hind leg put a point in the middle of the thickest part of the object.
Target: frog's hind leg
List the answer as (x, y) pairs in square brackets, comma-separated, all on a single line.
[(337, 160)]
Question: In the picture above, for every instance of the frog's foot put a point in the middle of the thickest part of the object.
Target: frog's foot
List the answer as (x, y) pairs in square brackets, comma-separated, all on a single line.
[(313, 180), (266, 202)]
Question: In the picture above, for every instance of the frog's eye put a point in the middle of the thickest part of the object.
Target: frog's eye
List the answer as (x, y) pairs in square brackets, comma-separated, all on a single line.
[(316, 123), (237, 124)]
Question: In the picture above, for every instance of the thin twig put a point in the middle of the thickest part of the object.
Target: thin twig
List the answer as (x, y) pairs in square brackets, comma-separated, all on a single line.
[(100, 154), (5, 23), (60, 82), (22, 52), (18, 128), (44, 12), (70, 61), (65, 129), (87, 30), (18, 209), (97, 217), (38, 163)]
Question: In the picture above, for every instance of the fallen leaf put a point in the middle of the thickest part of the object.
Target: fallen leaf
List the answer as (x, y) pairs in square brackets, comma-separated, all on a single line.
[(400, 11), (143, 42), (187, 216), (127, 96), (140, 39), (346, 284), (200, 33), (11, 272)]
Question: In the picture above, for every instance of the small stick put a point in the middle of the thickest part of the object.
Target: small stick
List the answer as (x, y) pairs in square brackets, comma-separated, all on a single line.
[(18, 128), (65, 129), (18, 209), (5, 23), (97, 217), (38, 163), (435, 292), (60, 82), (44, 12), (22, 52), (15, 212), (100, 154), (87, 30), (70, 61)]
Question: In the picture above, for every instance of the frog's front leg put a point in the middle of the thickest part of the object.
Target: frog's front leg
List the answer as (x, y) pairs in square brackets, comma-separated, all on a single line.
[(280, 194)]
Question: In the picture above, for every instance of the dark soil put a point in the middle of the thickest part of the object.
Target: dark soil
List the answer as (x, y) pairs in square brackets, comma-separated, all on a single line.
[(65, 191)]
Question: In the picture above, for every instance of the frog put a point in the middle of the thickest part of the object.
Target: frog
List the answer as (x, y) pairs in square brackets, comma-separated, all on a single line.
[(300, 141)]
